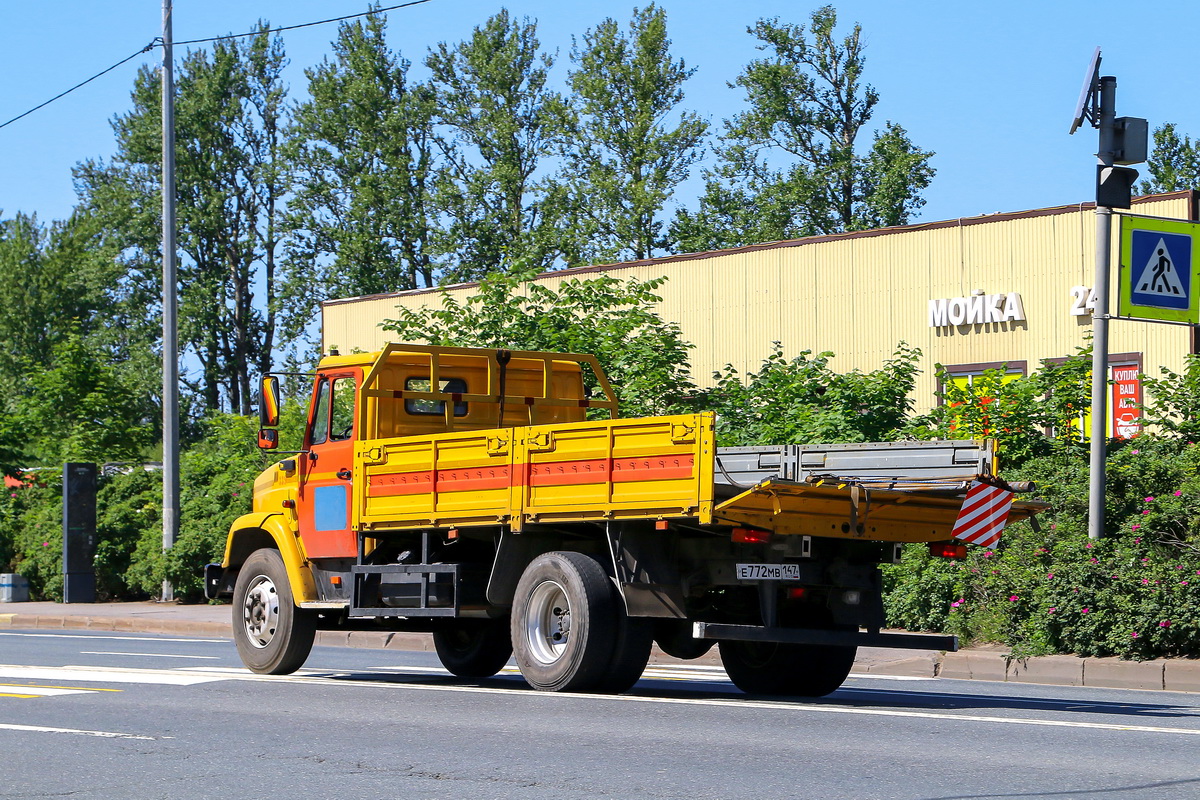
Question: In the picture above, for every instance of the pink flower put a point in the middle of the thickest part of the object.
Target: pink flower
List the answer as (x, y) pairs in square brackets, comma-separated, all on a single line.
[(45, 544), (1013, 599), (1146, 511), (1134, 526), (1085, 610), (1166, 623), (1135, 452), (1145, 581), (1093, 561), (1145, 561), (1149, 499), (1052, 609), (956, 603), (1138, 540), (1134, 634), (1183, 583), (1178, 492), (987, 554), (1050, 577)]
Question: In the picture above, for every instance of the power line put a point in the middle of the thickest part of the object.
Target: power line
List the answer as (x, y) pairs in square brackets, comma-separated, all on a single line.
[(304, 24), (145, 49), (157, 41)]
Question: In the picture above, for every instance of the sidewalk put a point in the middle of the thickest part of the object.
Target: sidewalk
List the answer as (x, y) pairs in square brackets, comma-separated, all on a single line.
[(981, 663)]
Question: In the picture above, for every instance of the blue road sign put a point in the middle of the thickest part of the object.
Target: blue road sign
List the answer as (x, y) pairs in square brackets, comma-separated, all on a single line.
[(1158, 278)]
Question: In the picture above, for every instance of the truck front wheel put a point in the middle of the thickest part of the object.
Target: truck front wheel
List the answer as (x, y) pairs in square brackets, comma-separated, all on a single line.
[(564, 623), (272, 635), (806, 670), (474, 648)]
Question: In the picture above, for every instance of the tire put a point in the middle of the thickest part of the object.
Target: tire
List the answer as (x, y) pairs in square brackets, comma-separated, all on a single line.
[(674, 637), (804, 670), (564, 623), (272, 635), (635, 637), (474, 648)]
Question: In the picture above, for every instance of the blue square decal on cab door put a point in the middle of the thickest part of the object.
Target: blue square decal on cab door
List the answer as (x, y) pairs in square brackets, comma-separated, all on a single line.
[(330, 508)]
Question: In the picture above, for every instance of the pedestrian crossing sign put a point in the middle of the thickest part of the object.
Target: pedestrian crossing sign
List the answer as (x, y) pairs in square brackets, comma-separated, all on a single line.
[(1159, 275)]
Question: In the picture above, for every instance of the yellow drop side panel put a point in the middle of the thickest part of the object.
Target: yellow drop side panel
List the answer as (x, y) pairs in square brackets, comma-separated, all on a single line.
[(611, 469), (447, 479), (843, 513), (618, 469)]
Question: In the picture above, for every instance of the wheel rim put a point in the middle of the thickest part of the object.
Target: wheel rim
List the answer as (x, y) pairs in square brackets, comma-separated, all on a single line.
[(260, 611), (548, 622)]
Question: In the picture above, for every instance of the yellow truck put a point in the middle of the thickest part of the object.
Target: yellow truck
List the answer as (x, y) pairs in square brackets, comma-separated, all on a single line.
[(495, 499)]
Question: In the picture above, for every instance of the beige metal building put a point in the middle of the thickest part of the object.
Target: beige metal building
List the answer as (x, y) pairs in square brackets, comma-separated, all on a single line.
[(972, 293)]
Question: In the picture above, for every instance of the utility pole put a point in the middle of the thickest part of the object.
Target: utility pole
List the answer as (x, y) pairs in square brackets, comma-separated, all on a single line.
[(1122, 141), (170, 393), (1099, 436)]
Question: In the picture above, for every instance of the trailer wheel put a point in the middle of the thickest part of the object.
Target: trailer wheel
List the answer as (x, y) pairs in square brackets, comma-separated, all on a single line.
[(805, 670), (564, 623), (474, 648), (272, 635)]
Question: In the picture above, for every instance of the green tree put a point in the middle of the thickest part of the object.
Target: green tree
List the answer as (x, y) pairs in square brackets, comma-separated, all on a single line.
[(802, 400), (363, 213), (627, 146), (808, 108), (498, 122), (230, 184), (644, 356), (1174, 162)]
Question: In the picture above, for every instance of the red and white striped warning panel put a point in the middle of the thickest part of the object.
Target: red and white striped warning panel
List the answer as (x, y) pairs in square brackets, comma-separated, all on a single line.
[(983, 514)]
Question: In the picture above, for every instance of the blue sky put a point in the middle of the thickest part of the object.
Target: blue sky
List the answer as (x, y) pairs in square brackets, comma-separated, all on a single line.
[(989, 87)]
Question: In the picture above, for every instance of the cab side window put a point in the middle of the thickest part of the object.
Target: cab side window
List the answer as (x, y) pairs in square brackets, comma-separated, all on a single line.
[(434, 408), (342, 413), (320, 420)]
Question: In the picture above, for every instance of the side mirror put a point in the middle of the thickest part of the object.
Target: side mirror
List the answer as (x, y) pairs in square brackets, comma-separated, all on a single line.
[(268, 439), (268, 406)]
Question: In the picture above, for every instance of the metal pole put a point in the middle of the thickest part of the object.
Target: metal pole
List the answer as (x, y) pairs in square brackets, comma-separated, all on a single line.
[(170, 393), (1099, 434)]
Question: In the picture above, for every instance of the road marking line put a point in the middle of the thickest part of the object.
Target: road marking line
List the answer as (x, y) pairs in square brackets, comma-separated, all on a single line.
[(142, 655), (146, 638), (43, 686), (106, 675), (103, 734), (44, 691), (19, 696), (749, 705)]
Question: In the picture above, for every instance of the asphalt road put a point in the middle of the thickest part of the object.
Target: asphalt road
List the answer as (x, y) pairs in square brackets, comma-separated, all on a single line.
[(90, 715)]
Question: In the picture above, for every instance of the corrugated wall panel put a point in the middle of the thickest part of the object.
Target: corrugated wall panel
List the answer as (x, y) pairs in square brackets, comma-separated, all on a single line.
[(860, 295)]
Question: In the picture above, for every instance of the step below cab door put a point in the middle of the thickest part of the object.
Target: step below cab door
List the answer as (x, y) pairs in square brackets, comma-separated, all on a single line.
[(327, 470)]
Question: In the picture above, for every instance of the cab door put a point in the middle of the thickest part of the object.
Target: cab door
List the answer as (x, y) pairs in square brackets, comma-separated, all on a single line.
[(327, 469)]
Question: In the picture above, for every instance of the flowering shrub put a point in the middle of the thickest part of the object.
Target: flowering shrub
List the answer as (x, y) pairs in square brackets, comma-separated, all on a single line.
[(1134, 594)]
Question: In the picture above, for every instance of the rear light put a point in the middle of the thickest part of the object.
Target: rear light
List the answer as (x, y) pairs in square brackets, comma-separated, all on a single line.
[(796, 593), (947, 550), (750, 536)]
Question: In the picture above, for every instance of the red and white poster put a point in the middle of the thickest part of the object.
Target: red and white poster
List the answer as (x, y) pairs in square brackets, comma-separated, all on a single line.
[(1127, 396)]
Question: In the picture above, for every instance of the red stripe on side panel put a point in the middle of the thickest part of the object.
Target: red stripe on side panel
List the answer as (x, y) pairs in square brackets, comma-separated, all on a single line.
[(662, 468), (566, 473), (392, 484)]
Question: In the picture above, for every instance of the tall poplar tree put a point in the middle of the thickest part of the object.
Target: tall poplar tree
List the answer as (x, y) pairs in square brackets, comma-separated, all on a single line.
[(363, 213), (792, 164), (230, 184), (498, 125), (628, 146)]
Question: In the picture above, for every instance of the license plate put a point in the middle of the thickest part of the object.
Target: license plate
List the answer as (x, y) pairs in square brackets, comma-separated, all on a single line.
[(768, 572)]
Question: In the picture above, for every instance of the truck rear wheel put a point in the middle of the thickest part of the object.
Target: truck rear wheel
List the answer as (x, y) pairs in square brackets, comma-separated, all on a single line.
[(635, 637), (806, 670), (272, 635), (564, 623), (474, 648)]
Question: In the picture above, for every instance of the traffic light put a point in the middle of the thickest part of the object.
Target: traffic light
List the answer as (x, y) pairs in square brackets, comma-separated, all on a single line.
[(1114, 186)]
